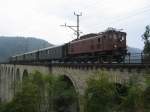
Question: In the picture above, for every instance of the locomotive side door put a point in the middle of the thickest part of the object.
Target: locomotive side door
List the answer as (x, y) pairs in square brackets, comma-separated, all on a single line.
[(99, 43)]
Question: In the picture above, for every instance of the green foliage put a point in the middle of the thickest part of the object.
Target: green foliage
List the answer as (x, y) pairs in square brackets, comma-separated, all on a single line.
[(100, 94), (47, 93), (40, 93), (8, 107), (133, 102), (50, 80), (146, 38), (147, 99), (64, 95), (147, 78), (146, 34), (24, 100), (138, 99), (147, 94), (28, 98)]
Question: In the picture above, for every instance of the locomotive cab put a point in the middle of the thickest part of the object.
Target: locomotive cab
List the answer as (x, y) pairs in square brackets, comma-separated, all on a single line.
[(119, 40)]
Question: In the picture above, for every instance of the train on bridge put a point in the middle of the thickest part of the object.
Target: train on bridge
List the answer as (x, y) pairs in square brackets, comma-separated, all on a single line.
[(109, 45)]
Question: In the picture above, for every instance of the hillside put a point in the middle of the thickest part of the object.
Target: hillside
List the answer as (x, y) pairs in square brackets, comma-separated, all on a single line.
[(134, 50), (10, 46)]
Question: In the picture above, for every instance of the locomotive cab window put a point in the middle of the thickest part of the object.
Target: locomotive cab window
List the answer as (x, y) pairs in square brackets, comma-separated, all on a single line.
[(122, 37)]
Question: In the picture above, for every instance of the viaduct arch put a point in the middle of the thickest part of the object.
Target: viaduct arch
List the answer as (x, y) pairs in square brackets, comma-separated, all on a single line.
[(25, 74), (17, 76)]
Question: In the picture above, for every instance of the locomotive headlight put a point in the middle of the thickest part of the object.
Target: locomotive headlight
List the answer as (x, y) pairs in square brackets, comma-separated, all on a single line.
[(115, 46)]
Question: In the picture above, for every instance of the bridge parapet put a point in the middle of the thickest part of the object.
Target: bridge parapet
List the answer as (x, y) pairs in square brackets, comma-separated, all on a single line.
[(81, 73), (89, 66)]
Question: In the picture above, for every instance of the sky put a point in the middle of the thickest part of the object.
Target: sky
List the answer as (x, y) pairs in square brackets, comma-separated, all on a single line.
[(43, 18)]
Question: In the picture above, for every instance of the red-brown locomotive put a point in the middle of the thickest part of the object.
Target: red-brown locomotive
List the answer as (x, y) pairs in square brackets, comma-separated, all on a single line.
[(107, 46)]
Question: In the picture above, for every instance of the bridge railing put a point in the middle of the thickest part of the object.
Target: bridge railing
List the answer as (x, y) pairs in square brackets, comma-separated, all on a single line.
[(139, 58), (134, 58)]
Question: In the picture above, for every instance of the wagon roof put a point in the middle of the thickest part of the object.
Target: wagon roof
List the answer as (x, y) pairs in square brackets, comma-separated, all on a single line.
[(50, 47)]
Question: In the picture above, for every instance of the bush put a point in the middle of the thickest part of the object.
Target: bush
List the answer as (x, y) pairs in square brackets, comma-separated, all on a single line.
[(27, 98), (40, 93), (100, 94), (147, 94), (64, 96)]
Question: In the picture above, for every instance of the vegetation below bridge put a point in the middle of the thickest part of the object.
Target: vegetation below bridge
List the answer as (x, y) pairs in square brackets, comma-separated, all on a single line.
[(48, 93)]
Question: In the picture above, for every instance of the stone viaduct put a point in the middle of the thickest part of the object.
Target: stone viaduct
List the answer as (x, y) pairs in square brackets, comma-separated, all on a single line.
[(9, 73)]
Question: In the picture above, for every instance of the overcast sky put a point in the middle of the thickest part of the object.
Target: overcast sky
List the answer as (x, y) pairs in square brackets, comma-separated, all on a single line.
[(42, 18)]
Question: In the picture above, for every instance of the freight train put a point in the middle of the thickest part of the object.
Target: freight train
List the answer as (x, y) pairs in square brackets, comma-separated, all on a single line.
[(106, 46)]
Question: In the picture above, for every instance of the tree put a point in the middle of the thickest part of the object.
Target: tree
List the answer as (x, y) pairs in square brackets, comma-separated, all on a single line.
[(147, 94), (100, 94), (64, 96), (24, 100), (50, 81), (43, 93), (28, 98), (38, 80), (146, 38), (134, 101)]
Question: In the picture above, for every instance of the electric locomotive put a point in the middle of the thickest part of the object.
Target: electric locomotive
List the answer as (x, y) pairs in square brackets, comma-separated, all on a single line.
[(105, 46)]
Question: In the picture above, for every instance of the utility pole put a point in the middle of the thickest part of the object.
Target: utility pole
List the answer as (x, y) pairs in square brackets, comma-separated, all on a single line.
[(77, 31)]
